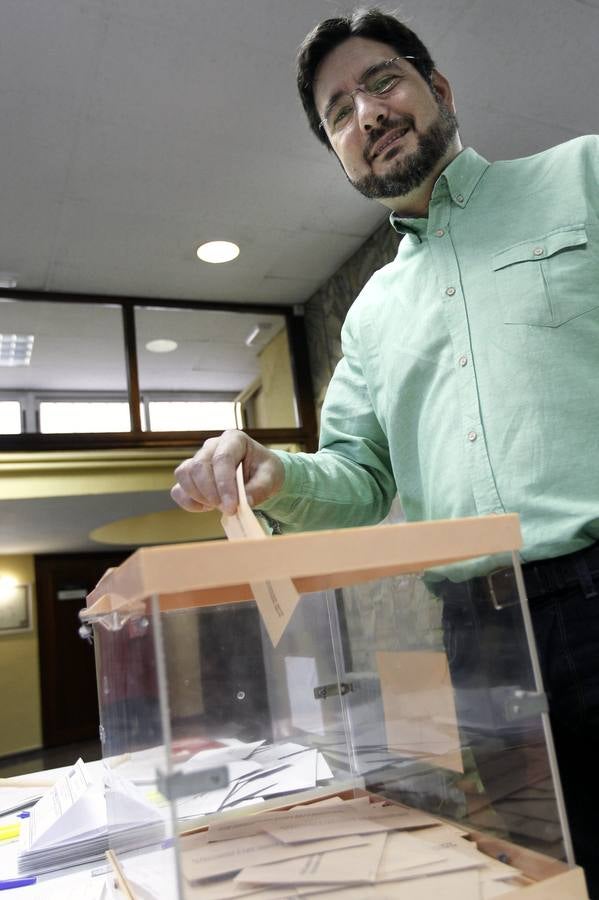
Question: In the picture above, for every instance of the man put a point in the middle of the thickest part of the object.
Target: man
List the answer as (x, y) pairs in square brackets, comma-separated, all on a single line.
[(469, 377)]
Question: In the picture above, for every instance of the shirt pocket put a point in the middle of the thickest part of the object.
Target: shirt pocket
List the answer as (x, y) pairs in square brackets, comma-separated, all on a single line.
[(550, 279)]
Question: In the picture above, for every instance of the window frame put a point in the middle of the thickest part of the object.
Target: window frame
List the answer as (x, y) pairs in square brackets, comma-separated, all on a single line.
[(305, 434)]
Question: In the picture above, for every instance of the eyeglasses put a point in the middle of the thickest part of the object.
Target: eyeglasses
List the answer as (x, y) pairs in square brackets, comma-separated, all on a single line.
[(380, 79)]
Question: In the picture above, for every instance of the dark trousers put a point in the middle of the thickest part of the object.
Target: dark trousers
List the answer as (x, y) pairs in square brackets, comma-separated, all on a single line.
[(486, 649)]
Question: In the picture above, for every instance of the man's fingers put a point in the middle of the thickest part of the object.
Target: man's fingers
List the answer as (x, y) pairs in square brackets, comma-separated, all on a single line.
[(186, 502), (207, 481), (264, 481), (208, 478), (224, 467), (196, 483)]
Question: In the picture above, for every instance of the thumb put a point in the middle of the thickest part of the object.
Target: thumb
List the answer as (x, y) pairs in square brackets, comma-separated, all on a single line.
[(263, 483)]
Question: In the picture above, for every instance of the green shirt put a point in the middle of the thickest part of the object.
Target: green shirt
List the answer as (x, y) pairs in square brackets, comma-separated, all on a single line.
[(470, 377)]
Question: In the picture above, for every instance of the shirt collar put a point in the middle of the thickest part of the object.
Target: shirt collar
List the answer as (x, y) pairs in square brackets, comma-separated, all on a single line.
[(459, 178)]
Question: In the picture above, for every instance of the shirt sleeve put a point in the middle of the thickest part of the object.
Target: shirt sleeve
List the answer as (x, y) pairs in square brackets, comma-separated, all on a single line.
[(348, 482)]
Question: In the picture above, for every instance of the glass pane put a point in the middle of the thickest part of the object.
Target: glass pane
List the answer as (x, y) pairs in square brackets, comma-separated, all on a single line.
[(447, 716), (76, 349), (83, 418), (190, 415), (10, 417), (240, 727), (214, 357)]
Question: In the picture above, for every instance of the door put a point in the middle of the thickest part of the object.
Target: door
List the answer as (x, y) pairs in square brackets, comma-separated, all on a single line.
[(67, 666)]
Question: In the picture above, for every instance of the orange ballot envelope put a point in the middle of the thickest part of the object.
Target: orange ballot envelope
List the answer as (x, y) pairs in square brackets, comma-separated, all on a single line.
[(277, 599)]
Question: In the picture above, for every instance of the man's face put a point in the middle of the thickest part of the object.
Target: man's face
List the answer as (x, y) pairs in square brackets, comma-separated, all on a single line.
[(393, 142)]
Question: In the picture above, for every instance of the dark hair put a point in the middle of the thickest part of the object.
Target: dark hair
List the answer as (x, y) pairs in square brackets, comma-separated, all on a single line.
[(366, 23)]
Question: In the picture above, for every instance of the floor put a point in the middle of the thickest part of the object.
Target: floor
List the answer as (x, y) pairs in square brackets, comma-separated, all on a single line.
[(49, 758)]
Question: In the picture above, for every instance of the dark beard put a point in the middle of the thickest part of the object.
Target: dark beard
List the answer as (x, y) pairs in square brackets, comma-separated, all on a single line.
[(410, 171)]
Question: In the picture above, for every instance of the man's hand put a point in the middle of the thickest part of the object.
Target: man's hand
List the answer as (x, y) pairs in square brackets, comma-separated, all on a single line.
[(207, 480)]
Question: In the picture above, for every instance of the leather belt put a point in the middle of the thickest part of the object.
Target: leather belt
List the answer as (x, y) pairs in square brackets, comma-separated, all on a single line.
[(541, 578)]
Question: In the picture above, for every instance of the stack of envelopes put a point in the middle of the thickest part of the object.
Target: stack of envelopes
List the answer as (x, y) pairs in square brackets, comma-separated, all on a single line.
[(340, 848)]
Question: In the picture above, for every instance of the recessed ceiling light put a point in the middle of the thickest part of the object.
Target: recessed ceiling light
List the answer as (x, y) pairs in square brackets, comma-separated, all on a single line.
[(218, 251), (16, 349), (161, 345)]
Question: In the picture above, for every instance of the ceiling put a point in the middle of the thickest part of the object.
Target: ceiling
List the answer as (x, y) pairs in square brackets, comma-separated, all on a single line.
[(134, 130), (98, 522)]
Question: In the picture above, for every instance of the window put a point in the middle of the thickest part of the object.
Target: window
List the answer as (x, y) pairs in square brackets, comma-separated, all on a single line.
[(192, 415), (10, 417), (147, 375), (243, 356), (83, 417)]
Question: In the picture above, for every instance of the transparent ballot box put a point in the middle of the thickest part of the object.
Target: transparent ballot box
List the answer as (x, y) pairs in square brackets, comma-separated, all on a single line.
[(355, 713)]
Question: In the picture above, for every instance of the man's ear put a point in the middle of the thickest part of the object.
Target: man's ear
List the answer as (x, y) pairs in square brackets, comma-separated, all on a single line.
[(443, 88)]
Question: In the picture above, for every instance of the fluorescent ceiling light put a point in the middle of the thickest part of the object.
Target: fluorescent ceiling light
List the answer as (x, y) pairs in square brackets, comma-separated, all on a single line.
[(161, 345), (256, 331), (252, 336), (218, 251), (16, 349)]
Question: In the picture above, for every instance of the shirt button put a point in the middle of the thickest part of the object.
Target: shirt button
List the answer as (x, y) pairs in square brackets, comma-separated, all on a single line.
[(472, 436), (440, 232), (460, 198), (450, 291), (463, 361), (538, 251)]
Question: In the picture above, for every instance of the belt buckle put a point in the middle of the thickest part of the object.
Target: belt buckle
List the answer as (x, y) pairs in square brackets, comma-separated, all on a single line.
[(496, 589)]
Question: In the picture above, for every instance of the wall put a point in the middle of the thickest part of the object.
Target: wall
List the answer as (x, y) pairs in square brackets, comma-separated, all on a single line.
[(19, 673), (327, 308), (79, 474), (275, 406)]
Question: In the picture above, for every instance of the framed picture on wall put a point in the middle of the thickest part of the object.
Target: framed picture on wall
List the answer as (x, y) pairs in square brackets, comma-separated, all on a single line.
[(15, 609)]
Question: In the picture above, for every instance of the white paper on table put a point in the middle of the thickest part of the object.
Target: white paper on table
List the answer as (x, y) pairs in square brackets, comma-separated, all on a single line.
[(140, 766), (323, 770), (260, 787), (286, 752), (125, 805), (152, 874), (13, 798), (220, 756), (202, 804), (272, 752), (298, 775), (74, 886), (72, 806)]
